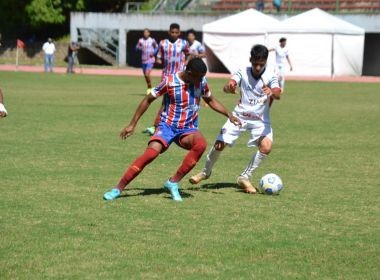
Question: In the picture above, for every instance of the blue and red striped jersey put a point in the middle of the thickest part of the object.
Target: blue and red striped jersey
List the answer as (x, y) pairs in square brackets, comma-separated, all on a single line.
[(182, 103), (173, 55), (148, 48)]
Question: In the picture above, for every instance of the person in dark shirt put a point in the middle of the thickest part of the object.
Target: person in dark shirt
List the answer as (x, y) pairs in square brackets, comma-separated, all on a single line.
[(71, 55)]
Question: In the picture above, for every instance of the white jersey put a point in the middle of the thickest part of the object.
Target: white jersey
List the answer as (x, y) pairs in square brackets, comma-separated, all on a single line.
[(254, 103), (281, 55), (196, 48)]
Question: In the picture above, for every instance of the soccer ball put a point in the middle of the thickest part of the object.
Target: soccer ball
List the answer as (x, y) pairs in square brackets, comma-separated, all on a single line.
[(270, 184)]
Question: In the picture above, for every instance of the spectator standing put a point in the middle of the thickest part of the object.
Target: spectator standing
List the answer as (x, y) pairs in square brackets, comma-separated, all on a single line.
[(72, 52), (49, 49)]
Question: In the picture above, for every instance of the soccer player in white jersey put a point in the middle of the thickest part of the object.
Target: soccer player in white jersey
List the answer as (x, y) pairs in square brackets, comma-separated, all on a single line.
[(196, 48), (258, 88), (282, 53)]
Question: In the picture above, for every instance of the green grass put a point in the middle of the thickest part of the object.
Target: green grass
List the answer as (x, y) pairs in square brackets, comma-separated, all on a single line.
[(60, 151)]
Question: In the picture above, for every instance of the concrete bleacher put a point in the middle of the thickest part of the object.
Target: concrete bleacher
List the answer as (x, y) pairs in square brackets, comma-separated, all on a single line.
[(344, 6)]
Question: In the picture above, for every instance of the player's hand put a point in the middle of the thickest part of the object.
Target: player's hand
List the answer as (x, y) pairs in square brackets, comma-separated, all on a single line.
[(234, 120), (127, 131), (158, 60), (230, 87), (267, 90)]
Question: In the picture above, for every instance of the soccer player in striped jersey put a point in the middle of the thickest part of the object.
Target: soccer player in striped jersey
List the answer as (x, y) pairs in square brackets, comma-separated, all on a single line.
[(258, 88), (148, 47), (172, 54), (179, 124)]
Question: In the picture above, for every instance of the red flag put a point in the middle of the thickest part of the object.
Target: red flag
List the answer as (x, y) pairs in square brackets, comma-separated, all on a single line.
[(20, 44)]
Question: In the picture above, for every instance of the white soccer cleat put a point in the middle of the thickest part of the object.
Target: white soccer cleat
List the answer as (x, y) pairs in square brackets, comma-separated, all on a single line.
[(246, 185), (195, 179)]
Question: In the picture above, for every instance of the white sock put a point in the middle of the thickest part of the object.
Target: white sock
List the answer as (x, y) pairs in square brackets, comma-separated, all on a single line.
[(256, 160), (211, 158)]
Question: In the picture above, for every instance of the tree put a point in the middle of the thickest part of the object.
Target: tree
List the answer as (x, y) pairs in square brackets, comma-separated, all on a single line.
[(37, 18), (42, 12)]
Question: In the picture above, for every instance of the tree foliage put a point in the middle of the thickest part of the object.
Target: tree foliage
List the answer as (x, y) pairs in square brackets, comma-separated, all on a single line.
[(47, 16)]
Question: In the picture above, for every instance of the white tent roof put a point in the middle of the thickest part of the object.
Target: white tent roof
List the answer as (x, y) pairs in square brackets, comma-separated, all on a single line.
[(318, 21), (247, 22)]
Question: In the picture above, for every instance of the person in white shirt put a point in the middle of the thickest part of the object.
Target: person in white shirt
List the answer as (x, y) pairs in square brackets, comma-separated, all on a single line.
[(196, 48), (49, 49), (282, 54), (258, 88), (3, 111)]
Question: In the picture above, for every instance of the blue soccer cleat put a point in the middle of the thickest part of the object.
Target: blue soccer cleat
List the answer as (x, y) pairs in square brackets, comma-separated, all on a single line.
[(112, 194), (173, 188)]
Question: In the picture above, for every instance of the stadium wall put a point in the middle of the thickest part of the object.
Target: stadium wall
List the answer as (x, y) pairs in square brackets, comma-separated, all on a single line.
[(129, 26)]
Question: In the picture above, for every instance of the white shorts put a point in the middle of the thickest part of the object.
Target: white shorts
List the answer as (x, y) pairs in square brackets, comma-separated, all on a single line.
[(230, 132), (279, 70)]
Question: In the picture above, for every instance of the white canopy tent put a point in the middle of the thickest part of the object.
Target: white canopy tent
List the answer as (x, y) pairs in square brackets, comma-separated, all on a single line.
[(322, 44), (319, 44), (231, 38)]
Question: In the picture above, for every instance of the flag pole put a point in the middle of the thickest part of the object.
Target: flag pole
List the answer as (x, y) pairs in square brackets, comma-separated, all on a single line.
[(17, 58)]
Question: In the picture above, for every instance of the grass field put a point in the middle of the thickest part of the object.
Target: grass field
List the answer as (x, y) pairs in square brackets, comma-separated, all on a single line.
[(60, 151)]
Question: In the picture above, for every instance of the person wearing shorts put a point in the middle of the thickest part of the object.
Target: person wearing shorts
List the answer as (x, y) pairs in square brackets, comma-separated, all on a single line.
[(179, 124), (148, 47), (258, 88), (282, 54)]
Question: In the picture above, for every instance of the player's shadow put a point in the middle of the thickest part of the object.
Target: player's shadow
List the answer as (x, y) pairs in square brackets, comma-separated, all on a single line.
[(154, 191), (213, 187)]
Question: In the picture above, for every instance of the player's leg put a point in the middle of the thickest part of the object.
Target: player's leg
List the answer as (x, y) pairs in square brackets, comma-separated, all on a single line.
[(281, 76), (228, 135), (211, 158), (152, 151), (147, 72), (264, 144), (196, 144), (265, 147)]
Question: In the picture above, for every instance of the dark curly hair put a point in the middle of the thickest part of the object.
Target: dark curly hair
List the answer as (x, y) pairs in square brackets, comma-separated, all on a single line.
[(196, 64)]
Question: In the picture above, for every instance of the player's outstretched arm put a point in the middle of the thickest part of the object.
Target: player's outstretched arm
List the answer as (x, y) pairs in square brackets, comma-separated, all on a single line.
[(143, 106), (219, 107)]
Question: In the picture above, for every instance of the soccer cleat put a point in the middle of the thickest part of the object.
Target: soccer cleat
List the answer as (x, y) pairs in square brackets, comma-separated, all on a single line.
[(173, 188), (150, 130), (112, 194), (246, 185), (195, 179), (148, 91)]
